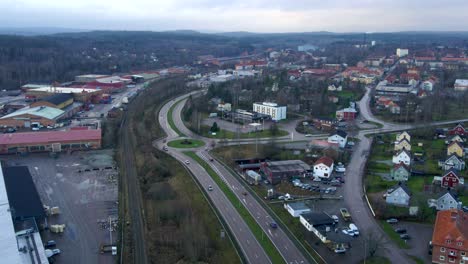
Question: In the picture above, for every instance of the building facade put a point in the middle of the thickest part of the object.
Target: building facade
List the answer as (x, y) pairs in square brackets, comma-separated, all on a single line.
[(271, 109)]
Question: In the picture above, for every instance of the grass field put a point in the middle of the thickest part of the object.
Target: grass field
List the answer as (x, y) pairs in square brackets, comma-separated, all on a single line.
[(205, 131), (262, 238), (195, 143), (170, 120)]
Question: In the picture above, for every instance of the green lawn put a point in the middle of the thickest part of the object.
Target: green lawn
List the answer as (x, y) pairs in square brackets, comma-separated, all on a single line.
[(205, 131), (170, 120), (375, 183), (389, 229), (195, 143), (262, 238)]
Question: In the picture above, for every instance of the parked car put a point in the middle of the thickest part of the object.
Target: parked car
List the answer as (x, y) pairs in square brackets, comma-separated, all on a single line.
[(400, 230), (392, 221), (348, 232), (10, 130), (340, 179), (266, 182), (50, 244), (317, 179), (405, 236), (340, 250), (335, 218), (340, 169), (354, 229)]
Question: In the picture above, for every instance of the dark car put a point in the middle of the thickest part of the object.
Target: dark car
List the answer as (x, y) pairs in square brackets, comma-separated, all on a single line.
[(10, 130), (405, 236), (400, 230), (273, 225), (50, 244)]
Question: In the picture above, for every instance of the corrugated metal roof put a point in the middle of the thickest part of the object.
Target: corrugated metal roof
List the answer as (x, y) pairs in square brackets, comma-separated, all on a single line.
[(50, 137), (42, 111)]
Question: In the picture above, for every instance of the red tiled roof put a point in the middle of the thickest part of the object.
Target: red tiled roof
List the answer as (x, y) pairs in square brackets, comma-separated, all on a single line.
[(49, 136), (397, 166), (451, 224), (325, 160), (425, 58), (453, 59)]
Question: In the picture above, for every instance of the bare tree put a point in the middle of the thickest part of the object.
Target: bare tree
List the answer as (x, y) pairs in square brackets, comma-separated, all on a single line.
[(373, 243)]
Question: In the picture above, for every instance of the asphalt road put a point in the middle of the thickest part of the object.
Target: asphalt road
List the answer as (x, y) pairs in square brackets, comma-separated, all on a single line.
[(249, 245), (279, 238)]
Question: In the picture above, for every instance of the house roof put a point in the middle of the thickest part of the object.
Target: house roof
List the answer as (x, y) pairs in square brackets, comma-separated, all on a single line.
[(22, 193), (401, 151), (401, 141), (455, 143), (41, 111), (451, 225), (58, 98), (401, 165), (324, 160), (318, 219), (452, 170), (341, 133), (298, 206), (49, 136), (453, 156), (451, 194), (403, 187)]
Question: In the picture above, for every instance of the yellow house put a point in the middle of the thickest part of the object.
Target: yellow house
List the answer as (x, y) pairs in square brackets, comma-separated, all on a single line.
[(403, 144), (403, 135), (455, 148)]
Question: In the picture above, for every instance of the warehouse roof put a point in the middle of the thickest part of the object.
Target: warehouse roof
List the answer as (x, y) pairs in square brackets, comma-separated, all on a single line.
[(49, 136), (8, 248), (57, 99), (51, 89), (42, 111), (287, 165), (22, 193)]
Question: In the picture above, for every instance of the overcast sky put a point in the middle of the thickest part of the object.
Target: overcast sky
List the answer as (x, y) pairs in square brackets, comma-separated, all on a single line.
[(239, 15)]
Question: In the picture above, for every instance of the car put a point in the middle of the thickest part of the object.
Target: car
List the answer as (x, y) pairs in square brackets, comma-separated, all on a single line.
[(266, 182), (354, 229), (351, 143), (244, 193), (340, 169), (281, 197), (465, 208), (392, 221), (50, 127), (211, 159), (348, 232), (340, 250), (210, 188), (273, 225), (10, 130), (405, 236), (56, 251), (50, 244), (400, 230), (335, 218), (317, 179), (187, 162), (308, 135)]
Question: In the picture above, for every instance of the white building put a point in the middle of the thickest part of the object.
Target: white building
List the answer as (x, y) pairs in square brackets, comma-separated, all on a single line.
[(272, 109), (402, 52), (400, 196), (445, 202), (323, 167), (340, 138), (402, 157), (296, 209), (306, 47), (460, 85)]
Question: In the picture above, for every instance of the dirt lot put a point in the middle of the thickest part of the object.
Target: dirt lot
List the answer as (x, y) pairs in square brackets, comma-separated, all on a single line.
[(87, 200)]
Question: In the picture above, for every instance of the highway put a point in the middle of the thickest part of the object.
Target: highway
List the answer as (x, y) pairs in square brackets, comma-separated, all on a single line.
[(249, 245)]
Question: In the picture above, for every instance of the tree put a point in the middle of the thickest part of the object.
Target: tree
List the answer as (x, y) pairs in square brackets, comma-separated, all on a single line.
[(214, 128), (373, 242), (274, 130)]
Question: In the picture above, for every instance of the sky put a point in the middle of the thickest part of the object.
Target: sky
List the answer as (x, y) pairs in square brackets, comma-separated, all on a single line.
[(239, 15)]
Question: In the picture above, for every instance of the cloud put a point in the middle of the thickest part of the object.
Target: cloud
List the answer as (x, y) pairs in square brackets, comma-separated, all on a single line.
[(235, 15)]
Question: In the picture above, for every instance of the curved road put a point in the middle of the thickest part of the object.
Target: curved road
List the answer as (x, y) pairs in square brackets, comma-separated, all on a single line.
[(282, 242)]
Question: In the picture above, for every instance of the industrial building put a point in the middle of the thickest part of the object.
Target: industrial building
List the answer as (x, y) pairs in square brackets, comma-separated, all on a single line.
[(59, 101), (44, 115), (276, 171), (50, 141), (20, 205), (271, 109), (79, 94)]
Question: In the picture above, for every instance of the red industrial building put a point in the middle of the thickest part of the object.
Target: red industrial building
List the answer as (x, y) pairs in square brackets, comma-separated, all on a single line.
[(346, 114), (50, 141)]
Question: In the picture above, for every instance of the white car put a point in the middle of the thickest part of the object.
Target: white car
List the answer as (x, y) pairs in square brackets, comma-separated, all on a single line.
[(317, 179), (354, 229), (187, 162), (348, 232), (308, 135), (340, 250), (340, 169), (335, 218)]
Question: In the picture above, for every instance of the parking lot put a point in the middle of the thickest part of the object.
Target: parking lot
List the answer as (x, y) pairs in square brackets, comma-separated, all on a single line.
[(84, 187)]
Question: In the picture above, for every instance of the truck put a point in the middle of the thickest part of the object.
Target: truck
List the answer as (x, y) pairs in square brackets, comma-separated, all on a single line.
[(345, 214), (108, 248)]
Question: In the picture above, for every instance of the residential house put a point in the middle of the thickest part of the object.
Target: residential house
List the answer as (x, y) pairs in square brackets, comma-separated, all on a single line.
[(403, 144), (455, 148), (461, 85), (340, 138), (400, 196), (333, 88), (402, 156), (458, 130), (296, 209), (403, 135), (428, 85), (400, 172), (346, 114), (457, 138), (450, 179), (446, 202), (452, 162), (323, 167), (324, 123), (450, 237)]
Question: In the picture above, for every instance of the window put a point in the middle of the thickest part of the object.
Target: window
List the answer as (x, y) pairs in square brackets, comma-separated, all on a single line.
[(460, 244), (448, 241), (451, 260), (462, 253), (442, 249), (442, 258)]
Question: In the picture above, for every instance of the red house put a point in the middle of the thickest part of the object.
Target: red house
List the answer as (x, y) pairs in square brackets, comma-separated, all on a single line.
[(458, 130), (450, 179), (346, 114)]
